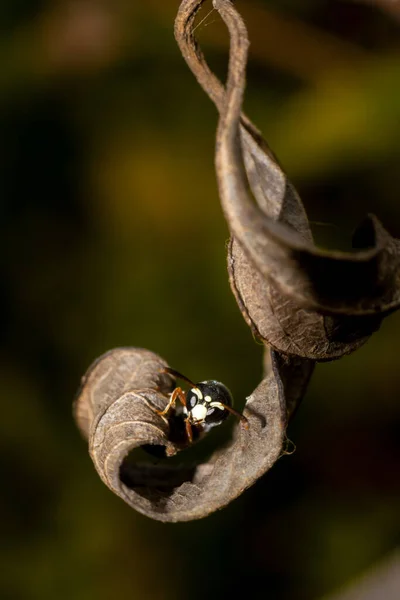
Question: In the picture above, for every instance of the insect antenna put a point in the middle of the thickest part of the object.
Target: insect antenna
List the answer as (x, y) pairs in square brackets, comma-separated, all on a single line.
[(178, 375), (237, 414)]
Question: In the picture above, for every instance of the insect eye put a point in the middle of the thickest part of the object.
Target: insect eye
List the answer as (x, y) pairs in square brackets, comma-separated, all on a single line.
[(192, 400)]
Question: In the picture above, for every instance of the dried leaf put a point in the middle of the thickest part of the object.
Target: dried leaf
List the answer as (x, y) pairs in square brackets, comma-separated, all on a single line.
[(283, 324), (359, 283), (296, 298), (114, 409)]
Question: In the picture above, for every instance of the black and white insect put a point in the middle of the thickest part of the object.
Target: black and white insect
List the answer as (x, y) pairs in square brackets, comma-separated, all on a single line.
[(206, 405)]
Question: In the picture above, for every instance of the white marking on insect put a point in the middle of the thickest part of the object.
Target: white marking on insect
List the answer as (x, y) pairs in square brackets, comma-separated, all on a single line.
[(207, 399), (198, 412), (197, 392), (217, 405)]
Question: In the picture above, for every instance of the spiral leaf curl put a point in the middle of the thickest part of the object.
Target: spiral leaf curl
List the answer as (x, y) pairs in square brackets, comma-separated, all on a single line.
[(115, 410), (304, 303)]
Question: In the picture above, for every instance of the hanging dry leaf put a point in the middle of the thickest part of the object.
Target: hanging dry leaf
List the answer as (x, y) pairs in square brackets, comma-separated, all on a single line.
[(296, 298), (305, 303)]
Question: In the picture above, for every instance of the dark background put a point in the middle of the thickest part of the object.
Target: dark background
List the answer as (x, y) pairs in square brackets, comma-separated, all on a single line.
[(112, 234)]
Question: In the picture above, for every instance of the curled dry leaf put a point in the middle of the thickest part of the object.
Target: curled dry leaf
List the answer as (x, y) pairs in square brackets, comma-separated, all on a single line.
[(305, 303), (295, 297), (115, 411)]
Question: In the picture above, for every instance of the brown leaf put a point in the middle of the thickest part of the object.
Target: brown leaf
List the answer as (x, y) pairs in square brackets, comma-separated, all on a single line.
[(283, 324), (359, 283), (114, 409), (298, 299)]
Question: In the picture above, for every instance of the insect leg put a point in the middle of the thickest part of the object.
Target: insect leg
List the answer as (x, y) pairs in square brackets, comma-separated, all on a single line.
[(189, 431), (177, 393)]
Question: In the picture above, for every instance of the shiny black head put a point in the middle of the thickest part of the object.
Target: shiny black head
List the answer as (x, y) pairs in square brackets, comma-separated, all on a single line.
[(206, 404)]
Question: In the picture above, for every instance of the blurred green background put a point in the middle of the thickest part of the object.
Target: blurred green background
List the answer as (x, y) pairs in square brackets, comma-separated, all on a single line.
[(112, 234)]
